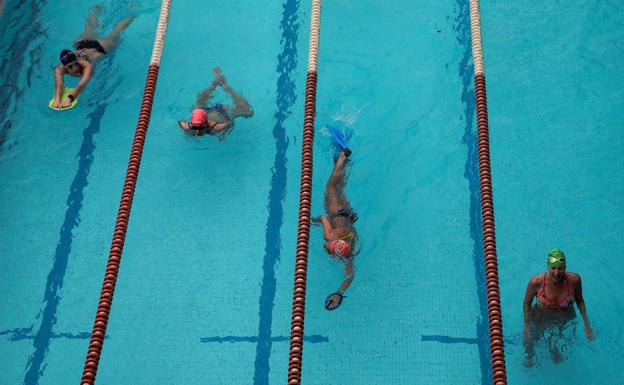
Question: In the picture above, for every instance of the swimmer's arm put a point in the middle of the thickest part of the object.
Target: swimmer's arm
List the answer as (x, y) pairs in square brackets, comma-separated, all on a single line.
[(580, 302), (218, 127), (58, 83), (349, 274), (327, 229), (84, 79), (531, 291)]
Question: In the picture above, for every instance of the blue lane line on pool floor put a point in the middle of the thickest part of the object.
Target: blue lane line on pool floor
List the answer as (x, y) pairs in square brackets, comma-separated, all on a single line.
[(48, 315), (471, 173), (287, 63), (315, 339), (459, 340), (41, 340), (26, 334)]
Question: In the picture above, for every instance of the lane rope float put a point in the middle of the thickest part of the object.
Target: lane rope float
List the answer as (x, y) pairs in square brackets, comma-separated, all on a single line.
[(305, 198), (497, 347)]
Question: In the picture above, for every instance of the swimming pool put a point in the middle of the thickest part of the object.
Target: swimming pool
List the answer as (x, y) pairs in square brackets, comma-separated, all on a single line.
[(205, 287)]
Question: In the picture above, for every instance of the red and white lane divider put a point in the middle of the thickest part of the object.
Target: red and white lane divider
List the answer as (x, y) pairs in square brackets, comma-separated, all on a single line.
[(123, 215), (497, 347), (305, 198)]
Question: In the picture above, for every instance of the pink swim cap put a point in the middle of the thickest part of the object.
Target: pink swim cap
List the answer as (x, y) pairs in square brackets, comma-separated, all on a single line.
[(198, 116), (340, 248)]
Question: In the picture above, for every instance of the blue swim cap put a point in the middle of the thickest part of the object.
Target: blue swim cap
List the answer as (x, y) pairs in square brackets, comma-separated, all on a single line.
[(67, 57)]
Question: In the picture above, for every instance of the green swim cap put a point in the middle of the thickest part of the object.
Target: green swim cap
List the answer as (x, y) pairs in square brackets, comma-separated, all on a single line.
[(556, 258)]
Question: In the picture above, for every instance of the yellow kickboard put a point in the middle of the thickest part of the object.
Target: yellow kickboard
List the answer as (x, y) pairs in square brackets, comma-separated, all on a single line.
[(66, 92)]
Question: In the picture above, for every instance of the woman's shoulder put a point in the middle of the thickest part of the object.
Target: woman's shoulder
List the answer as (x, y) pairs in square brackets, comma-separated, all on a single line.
[(536, 279), (573, 277)]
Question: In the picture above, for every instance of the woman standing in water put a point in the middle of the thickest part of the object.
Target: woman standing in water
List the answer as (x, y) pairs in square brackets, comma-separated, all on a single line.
[(555, 292)]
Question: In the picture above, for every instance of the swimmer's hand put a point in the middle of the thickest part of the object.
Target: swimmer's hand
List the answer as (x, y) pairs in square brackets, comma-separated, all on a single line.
[(67, 101), (589, 333), (183, 125), (528, 335), (334, 300), (316, 221), (57, 103)]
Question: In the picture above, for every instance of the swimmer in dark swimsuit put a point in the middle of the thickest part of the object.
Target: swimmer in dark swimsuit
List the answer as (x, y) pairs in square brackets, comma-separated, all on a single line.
[(216, 118), (338, 231), (88, 48), (555, 291)]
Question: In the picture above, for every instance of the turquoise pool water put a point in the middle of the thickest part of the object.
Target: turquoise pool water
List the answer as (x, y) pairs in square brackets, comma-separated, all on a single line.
[(205, 286)]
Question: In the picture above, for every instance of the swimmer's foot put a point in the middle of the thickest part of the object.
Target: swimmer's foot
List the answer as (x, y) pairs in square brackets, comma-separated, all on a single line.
[(333, 301), (220, 79), (342, 158), (92, 19), (124, 23), (97, 9), (529, 361), (247, 113), (556, 356)]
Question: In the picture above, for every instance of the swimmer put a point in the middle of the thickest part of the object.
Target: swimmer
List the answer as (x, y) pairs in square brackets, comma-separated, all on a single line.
[(338, 231), (216, 118), (555, 291), (88, 48)]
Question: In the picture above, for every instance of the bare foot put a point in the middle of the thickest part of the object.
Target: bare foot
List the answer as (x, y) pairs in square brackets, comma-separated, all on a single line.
[(219, 77), (342, 158)]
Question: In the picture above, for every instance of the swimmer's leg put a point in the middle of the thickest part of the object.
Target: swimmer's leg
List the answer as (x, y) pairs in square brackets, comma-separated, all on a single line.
[(204, 97), (555, 353), (112, 40), (556, 343), (529, 353), (219, 77), (241, 105), (91, 24), (335, 200)]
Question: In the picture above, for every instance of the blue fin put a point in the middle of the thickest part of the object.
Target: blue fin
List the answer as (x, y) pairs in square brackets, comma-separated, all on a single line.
[(339, 139)]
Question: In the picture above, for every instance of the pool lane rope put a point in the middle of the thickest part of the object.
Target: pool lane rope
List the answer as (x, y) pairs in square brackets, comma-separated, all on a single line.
[(123, 215), (305, 197), (497, 348)]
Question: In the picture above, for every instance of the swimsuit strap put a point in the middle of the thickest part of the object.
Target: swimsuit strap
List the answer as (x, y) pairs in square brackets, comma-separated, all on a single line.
[(542, 293), (544, 285), (569, 298)]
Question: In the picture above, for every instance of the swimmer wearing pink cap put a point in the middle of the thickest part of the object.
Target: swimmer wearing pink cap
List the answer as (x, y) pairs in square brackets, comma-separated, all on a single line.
[(216, 118), (338, 231), (200, 124)]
